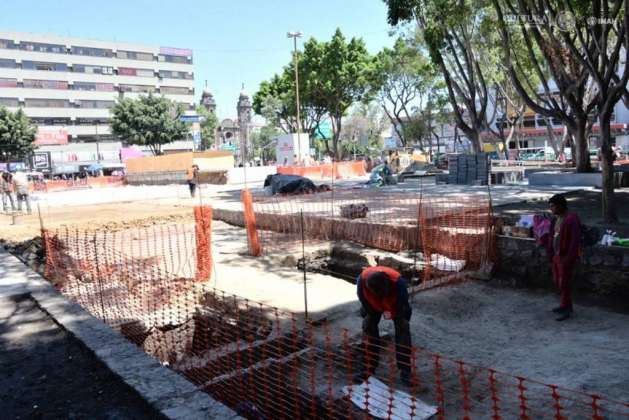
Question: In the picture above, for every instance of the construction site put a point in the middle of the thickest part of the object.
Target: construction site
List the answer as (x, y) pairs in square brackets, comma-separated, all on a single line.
[(251, 297)]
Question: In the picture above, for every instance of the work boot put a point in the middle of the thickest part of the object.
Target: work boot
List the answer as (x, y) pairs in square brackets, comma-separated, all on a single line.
[(557, 310), (564, 314)]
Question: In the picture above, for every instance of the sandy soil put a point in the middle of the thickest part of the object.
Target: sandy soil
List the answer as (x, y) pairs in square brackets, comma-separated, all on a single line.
[(38, 356)]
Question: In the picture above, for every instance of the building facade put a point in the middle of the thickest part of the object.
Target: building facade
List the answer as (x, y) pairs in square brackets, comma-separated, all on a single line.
[(233, 134), (68, 85)]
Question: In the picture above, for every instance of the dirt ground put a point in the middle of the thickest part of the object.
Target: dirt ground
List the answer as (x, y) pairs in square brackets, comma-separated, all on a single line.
[(38, 357), (97, 216)]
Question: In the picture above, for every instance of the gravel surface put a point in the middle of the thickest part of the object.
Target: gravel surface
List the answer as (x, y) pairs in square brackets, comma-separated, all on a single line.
[(47, 374)]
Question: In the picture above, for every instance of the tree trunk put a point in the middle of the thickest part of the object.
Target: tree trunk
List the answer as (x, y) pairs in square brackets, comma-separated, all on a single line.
[(475, 139), (607, 164), (582, 158)]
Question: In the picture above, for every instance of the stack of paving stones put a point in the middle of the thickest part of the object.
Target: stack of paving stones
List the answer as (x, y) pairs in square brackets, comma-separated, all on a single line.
[(468, 169)]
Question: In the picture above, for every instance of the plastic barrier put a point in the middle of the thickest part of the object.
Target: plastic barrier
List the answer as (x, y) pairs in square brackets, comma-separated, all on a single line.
[(71, 184), (340, 170)]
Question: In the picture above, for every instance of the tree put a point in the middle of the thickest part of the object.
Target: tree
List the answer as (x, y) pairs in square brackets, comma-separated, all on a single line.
[(402, 76), (148, 121), (453, 32), (17, 134), (566, 89), (362, 129), (336, 74), (275, 101), (263, 142), (208, 127)]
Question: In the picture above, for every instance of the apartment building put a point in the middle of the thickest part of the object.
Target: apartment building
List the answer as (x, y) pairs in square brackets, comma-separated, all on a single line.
[(68, 85)]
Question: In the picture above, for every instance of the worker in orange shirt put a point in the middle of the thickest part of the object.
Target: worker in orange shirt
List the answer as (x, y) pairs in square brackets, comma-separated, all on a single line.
[(193, 179), (382, 291)]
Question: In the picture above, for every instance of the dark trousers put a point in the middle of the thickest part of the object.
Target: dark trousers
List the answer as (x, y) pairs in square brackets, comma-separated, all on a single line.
[(371, 337), (562, 274), (193, 188)]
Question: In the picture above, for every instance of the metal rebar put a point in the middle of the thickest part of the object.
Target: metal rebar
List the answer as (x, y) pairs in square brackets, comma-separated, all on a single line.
[(303, 258)]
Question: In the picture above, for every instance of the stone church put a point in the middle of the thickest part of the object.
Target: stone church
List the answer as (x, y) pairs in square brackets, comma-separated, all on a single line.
[(233, 134)]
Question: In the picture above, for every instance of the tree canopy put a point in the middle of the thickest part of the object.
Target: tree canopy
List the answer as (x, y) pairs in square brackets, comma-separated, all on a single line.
[(17, 134), (150, 121), (208, 127)]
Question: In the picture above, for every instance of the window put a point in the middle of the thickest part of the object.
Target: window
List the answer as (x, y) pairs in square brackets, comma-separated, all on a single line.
[(137, 88), (93, 52), (45, 84), (4, 82), (9, 102), (541, 121), (38, 65), (529, 122), (82, 68), (7, 44), (47, 103), (127, 71), (174, 90), (40, 47), (175, 59), (133, 55), (7, 64), (94, 104), (91, 121), (168, 74), (108, 87), (51, 121)]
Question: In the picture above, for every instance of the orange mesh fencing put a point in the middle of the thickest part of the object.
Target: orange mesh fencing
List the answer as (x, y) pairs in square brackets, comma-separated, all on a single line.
[(250, 223), (270, 364), (203, 236)]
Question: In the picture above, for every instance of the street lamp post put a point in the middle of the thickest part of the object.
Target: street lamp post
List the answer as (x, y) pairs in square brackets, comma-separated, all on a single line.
[(295, 35)]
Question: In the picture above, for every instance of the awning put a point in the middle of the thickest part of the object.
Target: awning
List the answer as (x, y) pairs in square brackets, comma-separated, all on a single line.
[(94, 167), (65, 169)]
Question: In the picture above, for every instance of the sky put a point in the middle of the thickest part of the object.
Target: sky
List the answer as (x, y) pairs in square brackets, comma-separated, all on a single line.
[(233, 42)]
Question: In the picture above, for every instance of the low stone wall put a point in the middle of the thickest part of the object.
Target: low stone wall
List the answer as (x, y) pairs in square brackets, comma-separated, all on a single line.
[(602, 274), (175, 177)]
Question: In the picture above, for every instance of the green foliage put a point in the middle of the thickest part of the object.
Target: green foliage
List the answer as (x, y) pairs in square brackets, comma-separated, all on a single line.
[(208, 127), (149, 121), (17, 134), (263, 142), (337, 74)]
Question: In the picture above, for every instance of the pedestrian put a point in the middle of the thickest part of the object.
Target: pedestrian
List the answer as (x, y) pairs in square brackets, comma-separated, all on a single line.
[(193, 179), (20, 186), (564, 248), (382, 292), (6, 186)]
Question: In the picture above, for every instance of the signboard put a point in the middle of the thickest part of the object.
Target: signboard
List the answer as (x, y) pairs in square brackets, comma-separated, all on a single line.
[(183, 52), (41, 161), (230, 147), (190, 118), (48, 137)]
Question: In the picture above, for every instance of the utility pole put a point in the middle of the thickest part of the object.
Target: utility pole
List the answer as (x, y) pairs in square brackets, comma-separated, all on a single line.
[(295, 35)]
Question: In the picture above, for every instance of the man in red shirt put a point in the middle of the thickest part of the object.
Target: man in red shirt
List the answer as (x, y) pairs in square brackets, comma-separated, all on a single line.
[(382, 291), (563, 246)]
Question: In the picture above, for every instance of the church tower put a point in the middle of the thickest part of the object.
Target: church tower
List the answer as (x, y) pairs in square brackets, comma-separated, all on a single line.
[(244, 121), (207, 99)]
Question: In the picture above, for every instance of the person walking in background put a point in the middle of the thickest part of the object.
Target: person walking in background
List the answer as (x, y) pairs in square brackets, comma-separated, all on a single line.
[(193, 179), (20, 186), (563, 246), (382, 292), (6, 187)]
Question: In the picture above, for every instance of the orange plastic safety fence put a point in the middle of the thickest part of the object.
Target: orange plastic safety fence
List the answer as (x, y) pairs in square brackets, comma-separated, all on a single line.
[(250, 224), (271, 364), (203, 236)]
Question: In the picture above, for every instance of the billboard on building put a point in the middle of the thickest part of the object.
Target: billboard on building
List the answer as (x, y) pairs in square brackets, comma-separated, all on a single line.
[(45, 137)]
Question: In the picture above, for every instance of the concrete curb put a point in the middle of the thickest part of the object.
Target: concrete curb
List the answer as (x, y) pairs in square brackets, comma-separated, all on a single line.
[(169, 393)]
